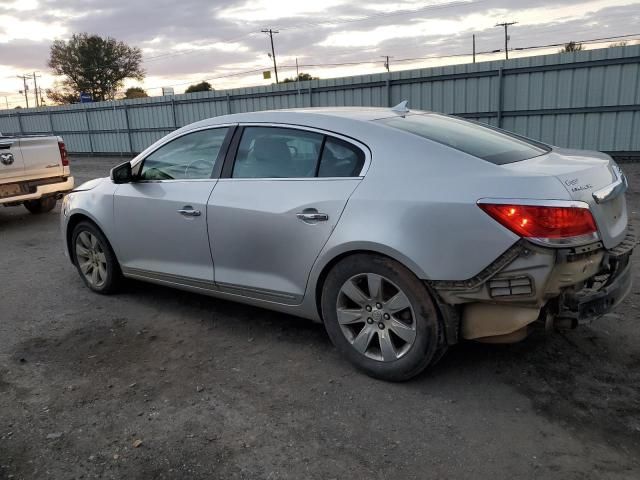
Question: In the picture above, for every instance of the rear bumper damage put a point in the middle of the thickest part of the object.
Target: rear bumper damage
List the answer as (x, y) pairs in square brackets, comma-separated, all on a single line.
[(530, 285), (591, 303)]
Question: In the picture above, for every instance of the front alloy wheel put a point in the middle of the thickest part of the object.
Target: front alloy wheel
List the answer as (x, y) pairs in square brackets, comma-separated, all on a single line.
[(94, 258), (91, 259)]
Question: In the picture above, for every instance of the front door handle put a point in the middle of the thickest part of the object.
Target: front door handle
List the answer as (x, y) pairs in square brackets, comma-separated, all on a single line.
[(188, 211), (312, 215)]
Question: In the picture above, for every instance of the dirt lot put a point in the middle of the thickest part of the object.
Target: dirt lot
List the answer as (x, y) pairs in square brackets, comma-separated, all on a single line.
[(220, 390)]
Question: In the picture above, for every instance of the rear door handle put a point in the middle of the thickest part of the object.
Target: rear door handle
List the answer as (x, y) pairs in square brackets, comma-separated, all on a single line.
[(188, 211), (312, 215)]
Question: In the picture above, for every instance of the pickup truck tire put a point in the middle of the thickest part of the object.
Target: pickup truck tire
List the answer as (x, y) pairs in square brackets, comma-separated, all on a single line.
[(42, 205), (94, 258), (381, 317)]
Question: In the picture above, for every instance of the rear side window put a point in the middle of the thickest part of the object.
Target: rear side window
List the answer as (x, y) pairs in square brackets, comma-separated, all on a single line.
[(340, 159), (279, 152), (483, 142)]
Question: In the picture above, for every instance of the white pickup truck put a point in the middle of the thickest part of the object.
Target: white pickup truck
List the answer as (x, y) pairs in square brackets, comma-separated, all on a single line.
[(34, 172)]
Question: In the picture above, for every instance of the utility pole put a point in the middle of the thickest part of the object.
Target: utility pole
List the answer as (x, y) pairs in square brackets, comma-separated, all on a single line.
[(506, 25), (474, 48), (297, 71), (35, 88), (273, 52), (26, 88), (386, 61)]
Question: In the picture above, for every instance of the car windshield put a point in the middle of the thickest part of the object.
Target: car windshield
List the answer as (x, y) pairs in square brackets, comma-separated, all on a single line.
[(480, 141)]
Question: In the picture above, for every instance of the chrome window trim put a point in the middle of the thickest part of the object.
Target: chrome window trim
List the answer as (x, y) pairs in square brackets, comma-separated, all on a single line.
[(138, 161), (175, 180), (288, 179), (365, 149)]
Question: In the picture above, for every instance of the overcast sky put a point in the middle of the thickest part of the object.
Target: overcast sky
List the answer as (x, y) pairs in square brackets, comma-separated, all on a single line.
[(191, 40)]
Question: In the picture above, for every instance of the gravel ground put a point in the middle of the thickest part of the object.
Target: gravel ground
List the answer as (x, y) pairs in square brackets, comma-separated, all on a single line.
[(158, 383)]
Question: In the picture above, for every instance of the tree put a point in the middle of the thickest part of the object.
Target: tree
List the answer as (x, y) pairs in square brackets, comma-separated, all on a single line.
[(61, 95), (571, 47), (301, 77), (94, 65), (199, 87), (618, 44), (135, 92)]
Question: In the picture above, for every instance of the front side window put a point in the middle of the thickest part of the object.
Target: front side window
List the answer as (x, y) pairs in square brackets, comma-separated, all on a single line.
[(192, 156), (274, 152), (483, 142)]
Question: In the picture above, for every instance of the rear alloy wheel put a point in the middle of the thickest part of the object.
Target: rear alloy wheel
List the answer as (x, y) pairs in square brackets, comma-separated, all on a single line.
[(94, 258), (375, 316), (381, 317), (42, 205)]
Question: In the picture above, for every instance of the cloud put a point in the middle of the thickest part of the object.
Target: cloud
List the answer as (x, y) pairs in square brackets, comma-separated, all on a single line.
[(197, 39), (268, 10)]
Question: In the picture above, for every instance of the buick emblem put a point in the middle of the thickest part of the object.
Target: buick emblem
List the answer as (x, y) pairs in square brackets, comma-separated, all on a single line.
[(6, 158)]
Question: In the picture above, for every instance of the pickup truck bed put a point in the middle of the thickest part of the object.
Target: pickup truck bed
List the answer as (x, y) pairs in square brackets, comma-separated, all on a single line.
[(34, 171)]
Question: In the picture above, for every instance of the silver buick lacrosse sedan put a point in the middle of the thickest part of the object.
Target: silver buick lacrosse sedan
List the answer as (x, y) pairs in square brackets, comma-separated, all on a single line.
[(404, 232)]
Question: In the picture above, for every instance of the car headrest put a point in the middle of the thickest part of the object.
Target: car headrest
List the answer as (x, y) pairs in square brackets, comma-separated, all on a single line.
[(272, 149)]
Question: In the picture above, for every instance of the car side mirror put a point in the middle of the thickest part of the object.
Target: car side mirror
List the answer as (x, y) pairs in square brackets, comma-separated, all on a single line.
[(122, 173)]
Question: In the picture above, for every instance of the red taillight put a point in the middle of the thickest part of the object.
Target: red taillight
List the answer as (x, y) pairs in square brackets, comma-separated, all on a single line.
[(64, 156), (534, 221)]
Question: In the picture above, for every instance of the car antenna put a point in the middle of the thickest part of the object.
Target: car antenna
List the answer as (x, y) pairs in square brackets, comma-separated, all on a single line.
[(401, 107)]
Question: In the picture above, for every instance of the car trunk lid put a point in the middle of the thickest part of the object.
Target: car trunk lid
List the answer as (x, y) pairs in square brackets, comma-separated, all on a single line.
[(582, 174)]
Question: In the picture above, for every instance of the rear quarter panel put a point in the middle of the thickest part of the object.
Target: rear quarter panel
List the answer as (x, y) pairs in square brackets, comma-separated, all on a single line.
[(417, 204)]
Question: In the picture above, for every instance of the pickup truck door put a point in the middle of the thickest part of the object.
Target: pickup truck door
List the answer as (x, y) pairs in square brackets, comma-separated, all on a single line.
[(41, 157), (11, 164)]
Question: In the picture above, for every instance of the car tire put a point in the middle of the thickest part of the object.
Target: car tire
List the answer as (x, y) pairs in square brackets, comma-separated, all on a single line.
[(94, 258), (42, 205), (369, 330)]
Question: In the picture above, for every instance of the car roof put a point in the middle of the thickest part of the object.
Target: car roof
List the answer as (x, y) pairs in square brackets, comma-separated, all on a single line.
[(305, 116)]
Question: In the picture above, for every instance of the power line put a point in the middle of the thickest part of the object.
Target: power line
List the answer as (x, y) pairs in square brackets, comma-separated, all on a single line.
[(399, 60), (474, 47), (236, 74), (25, 88), (327, 23), (386, 62), (453, 55), (273, 52), (374, 61), (35, 89), (384, 15), (506, 25)]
